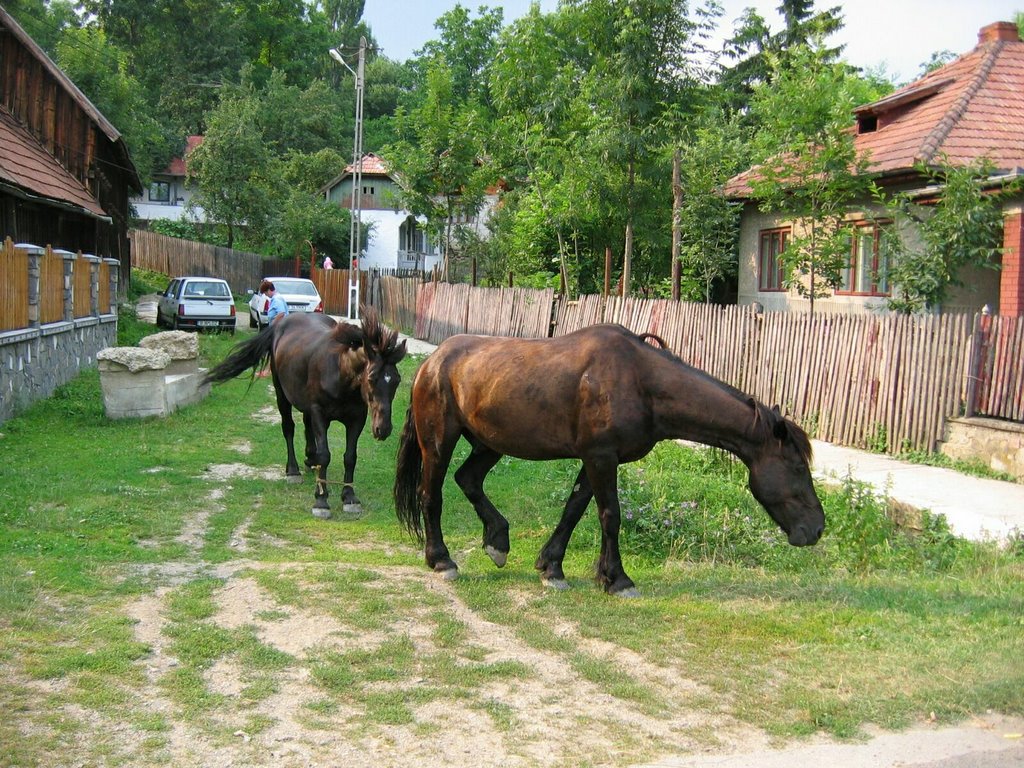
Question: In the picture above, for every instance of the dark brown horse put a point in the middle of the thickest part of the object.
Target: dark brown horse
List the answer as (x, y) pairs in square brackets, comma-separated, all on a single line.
[(602, 395), (330, 372)]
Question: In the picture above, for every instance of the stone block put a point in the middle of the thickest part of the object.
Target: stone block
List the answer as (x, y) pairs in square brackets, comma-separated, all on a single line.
[(139, 382), (182, 347)]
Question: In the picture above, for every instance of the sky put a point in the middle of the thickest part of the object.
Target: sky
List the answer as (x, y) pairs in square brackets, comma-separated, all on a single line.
[(896, 35)]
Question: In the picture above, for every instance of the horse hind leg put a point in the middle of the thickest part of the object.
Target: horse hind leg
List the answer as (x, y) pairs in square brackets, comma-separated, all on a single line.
[(470, 478), (291, 468), (549, 561)]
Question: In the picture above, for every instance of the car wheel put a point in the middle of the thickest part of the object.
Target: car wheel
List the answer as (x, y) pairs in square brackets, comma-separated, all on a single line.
[(253, 322)]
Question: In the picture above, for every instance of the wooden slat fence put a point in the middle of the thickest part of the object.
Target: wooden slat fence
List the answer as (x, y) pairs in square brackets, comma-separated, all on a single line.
[(14, 287), (395, 299), (173, 256), (333, 287), (66, 284), (51, 288), (445, 309), (81, 276), (998, 370), (884, 382)]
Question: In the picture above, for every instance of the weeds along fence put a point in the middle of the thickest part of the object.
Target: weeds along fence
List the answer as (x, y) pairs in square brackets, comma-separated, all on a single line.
[(885, 382)]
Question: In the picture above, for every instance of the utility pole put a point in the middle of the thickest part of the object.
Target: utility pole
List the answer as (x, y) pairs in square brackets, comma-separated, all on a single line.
[(355, 207)]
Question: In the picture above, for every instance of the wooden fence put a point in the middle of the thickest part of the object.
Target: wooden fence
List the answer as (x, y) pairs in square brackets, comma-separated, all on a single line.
[(90, 281), (883, 382), (173, 256)]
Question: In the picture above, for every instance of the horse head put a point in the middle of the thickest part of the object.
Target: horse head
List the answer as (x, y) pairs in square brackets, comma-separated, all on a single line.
[(780, 476), (380, 378)]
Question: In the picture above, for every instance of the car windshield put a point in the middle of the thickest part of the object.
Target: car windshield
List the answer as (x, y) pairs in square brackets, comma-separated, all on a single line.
[(206, 289), (295, 287)]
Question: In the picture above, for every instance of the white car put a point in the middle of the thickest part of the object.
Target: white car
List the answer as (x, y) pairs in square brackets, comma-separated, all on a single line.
[(195, 303), (300, 294)]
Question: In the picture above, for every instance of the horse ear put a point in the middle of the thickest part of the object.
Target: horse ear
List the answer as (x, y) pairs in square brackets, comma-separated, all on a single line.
[(779, 428), (399, 353)]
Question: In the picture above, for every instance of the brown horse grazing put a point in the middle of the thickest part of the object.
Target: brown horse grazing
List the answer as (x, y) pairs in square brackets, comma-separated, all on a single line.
[(602, 395), (330, 372)]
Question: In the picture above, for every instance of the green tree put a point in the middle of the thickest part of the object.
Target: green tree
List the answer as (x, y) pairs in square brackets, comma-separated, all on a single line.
[(438, 157), (757, 50), (963, 228), (809, 170), (100, 70), (708, 223), (231, 168), (467, 47)]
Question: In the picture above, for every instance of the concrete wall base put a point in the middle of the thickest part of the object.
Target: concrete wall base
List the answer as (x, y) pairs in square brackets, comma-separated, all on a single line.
[(145, 381)]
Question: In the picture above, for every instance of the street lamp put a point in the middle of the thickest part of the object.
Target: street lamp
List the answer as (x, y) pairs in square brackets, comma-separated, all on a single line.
[(355, 208)]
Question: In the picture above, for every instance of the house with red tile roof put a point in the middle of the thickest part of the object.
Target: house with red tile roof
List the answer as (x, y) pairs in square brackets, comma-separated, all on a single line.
[(397, 238), (971, 108), (169, 194), (65, 171)]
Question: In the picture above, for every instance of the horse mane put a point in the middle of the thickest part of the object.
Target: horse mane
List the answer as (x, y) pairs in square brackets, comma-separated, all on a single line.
[(373, 334), (348, 335), (765, 419)]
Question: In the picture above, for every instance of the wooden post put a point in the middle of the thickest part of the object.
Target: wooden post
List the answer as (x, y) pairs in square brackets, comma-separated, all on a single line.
[(977, 373), (677, 207)]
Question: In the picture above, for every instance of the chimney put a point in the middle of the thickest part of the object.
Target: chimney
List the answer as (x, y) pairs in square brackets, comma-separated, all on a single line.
[(999, 31)]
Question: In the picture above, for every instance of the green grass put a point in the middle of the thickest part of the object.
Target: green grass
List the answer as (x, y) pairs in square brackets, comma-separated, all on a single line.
[(876, 624)]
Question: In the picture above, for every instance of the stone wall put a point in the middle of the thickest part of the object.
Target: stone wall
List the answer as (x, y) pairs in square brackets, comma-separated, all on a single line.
[(34, 362), (998, 444)]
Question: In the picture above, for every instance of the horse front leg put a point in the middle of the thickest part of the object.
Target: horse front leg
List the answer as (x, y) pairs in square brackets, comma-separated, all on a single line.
[(470, 477), (291, 467), (549, 562), (350, 502), (320, 456), (435, 465), (610, 573)]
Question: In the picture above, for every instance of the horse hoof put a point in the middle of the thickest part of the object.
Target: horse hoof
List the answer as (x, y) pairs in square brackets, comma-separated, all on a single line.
[(629, 592), (321, 513), (353, 509), (293, 478), (557, 584), (448, 574), (499, 558)]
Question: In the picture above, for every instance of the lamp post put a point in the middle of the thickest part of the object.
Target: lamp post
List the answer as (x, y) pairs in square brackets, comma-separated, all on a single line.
[(355, 207)]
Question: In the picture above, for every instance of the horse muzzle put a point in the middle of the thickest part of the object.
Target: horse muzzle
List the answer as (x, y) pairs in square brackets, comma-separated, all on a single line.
[(804, 535), (381, 431)]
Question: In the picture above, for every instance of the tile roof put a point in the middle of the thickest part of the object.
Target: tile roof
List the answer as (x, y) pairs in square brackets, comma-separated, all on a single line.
[(967, 109), (178, 165), (26, 165), (372, 165)]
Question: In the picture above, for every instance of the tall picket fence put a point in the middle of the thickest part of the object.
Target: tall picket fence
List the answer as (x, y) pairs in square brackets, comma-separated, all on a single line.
[(884, 382)]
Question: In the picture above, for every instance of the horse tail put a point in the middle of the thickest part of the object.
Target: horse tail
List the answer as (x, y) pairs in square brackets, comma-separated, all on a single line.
[(248, 354), (408, 471)]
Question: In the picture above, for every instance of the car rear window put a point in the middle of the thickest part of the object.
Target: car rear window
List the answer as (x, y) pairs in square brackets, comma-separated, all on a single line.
[(207, 290), (296, 289)]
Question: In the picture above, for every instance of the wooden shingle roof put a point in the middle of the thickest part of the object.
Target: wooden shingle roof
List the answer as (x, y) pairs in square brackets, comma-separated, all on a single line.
[(27, 166), (972, 107)]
